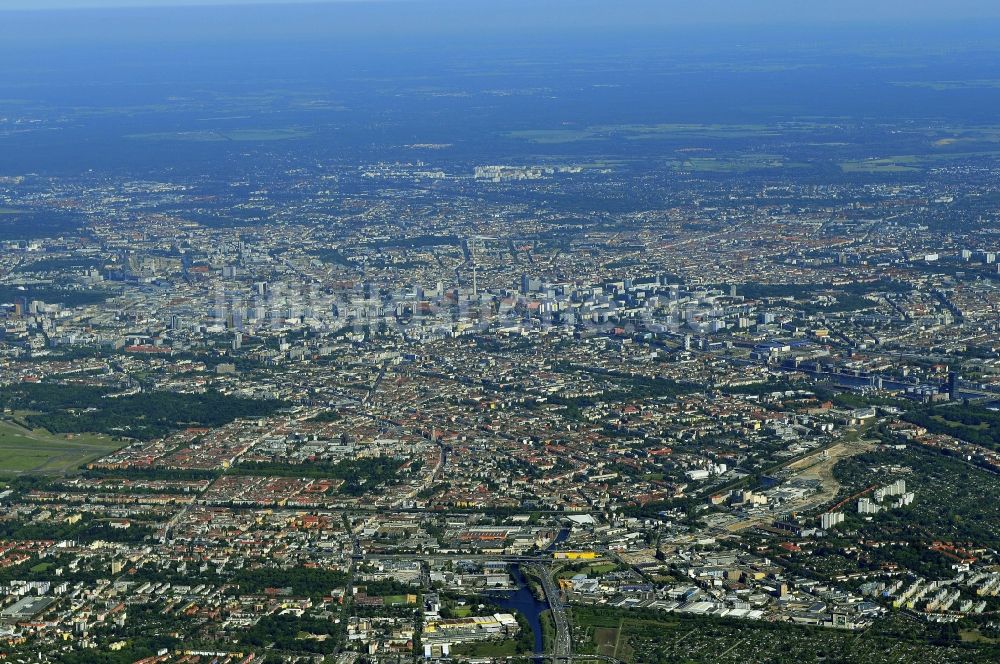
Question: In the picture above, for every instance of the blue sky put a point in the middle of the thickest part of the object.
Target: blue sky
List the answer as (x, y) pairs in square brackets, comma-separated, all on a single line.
[(668, 11), (82, 4), (86, 4)]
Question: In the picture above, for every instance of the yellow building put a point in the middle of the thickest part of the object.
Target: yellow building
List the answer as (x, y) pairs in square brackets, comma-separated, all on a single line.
[(575, 555)]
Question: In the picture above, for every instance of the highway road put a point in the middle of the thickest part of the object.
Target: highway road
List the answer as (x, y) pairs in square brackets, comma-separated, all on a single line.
[(562, 649)]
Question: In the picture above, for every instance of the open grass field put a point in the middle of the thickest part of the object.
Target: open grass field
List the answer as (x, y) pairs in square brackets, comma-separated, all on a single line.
[(395, 599), (975, 636), (553, 136), (673, 130), (462, 611), (23, 450), (981, 426), (900, 164), (597, 569), (909, 163), (235, 135), (942, 86), (506, 648), (737, 164), (609, 642)]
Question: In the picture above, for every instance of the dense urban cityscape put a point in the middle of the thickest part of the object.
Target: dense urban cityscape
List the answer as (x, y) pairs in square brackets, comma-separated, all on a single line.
[(650, 392)]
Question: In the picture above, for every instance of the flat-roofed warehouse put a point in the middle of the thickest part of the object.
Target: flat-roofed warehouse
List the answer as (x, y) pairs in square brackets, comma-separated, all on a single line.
[(26, 608)]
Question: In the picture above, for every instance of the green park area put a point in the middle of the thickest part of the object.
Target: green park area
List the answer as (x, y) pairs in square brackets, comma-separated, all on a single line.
[(593, 570), (38, 451)]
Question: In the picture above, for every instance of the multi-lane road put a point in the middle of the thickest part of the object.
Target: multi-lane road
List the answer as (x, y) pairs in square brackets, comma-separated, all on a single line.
[(561, 651), (562, 648)]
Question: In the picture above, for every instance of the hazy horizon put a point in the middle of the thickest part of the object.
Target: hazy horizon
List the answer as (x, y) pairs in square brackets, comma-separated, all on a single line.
[(58, 23), (644, 12)]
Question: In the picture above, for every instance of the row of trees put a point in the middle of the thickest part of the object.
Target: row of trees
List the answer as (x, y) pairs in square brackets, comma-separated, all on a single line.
[(76, 409)]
